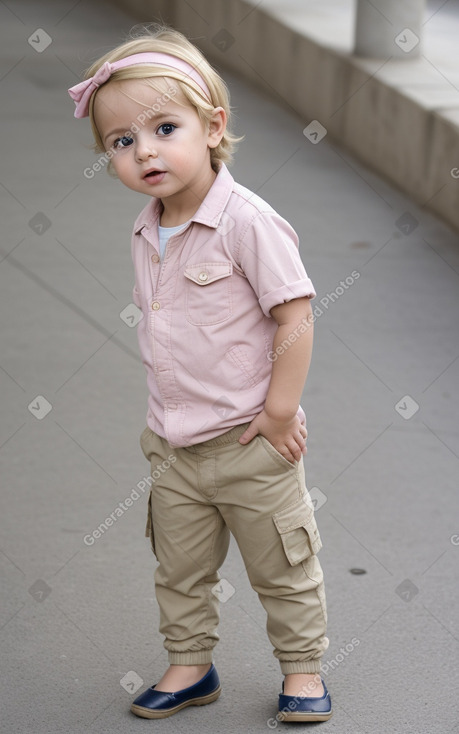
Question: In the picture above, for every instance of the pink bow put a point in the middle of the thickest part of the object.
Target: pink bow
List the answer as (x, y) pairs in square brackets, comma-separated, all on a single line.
[(81, 93)]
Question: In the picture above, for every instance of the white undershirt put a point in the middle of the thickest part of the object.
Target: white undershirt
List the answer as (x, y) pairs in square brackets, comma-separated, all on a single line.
[(165, 233)]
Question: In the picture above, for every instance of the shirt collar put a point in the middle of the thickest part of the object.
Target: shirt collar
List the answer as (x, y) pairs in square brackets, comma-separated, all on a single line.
[(209, 213)]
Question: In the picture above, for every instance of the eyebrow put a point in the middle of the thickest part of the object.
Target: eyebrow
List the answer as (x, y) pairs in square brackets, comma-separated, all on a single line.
[(156, 118)]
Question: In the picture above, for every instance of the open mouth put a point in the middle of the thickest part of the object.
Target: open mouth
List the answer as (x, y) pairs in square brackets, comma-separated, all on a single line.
[(153, 174), (154, 177)]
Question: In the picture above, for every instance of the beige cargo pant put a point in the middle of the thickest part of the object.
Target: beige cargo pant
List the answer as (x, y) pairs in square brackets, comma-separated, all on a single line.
[(199, 495)]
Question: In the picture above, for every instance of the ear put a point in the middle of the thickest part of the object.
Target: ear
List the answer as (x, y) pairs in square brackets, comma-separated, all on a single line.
[(217, 127)]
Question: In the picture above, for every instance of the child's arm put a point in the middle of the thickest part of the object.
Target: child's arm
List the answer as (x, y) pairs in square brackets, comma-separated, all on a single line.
[(278, 421)]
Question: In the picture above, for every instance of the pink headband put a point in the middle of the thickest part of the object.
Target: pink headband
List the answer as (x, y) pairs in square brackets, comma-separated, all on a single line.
[(81, 93)]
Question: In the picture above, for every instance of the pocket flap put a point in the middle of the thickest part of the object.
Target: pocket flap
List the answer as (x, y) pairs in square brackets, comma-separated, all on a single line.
[(298, 530), (205, 273)]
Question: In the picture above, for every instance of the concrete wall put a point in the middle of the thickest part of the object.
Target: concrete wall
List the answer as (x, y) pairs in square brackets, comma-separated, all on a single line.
[(396, 115)]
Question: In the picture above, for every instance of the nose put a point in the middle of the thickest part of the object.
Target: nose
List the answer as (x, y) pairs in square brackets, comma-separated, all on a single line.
[(145, 148)]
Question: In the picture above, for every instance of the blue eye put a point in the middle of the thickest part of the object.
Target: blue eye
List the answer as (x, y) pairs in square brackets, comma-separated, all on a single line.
[(123, 142), (167, 128)]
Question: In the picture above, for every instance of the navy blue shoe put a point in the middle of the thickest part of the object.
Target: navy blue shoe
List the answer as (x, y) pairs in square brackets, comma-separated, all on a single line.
[(299, 708), (153, 704)]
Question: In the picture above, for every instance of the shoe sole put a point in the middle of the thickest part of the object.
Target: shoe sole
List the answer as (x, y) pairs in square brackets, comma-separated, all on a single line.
[(304, 716), (146, 713)]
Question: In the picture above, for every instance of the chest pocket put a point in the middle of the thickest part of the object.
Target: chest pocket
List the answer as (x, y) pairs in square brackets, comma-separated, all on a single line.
[(208, 293)]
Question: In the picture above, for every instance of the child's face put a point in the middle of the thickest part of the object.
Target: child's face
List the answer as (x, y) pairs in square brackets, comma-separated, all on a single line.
[(169, 153)]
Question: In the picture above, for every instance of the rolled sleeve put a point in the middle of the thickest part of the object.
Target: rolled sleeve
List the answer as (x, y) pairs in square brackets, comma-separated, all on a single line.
[(271, 261)]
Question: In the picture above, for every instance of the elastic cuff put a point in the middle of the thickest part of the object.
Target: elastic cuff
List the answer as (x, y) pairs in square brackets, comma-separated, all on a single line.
[(197, 657), (307, 666)]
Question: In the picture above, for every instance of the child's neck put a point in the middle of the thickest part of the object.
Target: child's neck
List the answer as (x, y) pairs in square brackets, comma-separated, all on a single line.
[(180, 208), (173, 219)]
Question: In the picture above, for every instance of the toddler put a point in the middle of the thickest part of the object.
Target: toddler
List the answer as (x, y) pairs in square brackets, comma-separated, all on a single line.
[(226, 338)]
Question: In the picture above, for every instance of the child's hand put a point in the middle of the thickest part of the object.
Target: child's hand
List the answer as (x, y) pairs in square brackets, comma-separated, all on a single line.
[(287, 436)]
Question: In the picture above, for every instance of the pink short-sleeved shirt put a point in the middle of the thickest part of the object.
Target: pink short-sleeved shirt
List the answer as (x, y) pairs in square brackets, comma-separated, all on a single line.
[(206, 332)]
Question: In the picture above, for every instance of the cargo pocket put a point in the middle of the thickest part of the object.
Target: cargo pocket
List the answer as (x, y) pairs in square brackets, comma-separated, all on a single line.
[(149, 532), (298, 530)]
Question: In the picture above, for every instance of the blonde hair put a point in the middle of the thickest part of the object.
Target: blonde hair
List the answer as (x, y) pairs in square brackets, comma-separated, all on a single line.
[(162, 39)]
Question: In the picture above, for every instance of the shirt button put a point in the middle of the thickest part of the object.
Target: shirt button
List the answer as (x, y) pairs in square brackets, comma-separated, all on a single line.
[(155, 258), (203, 276), (155, 306)]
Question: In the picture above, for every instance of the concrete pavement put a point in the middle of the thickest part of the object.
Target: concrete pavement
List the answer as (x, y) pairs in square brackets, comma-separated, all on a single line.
[(78, 629)]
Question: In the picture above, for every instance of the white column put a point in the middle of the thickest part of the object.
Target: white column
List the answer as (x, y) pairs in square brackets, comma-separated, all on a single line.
[(386, 28)]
